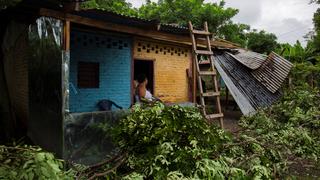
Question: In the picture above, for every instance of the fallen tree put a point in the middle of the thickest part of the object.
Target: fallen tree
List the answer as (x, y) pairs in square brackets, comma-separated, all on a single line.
[(174, 142)]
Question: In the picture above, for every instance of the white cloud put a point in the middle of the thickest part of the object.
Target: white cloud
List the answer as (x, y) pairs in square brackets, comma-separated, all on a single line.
[(138, 3), (290, 20)]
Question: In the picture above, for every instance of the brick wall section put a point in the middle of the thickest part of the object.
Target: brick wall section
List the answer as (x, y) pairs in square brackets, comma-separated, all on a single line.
[(113, 53), (171, 62)]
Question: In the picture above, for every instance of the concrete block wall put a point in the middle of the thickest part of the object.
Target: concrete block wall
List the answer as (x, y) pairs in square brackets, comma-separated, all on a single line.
[(113, 53), (171, 62)]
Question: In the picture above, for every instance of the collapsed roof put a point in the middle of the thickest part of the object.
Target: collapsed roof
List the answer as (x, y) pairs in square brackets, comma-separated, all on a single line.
[(254, 80)]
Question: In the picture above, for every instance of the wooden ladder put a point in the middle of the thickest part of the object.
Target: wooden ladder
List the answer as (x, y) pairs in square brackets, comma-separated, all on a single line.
[(212, 73)]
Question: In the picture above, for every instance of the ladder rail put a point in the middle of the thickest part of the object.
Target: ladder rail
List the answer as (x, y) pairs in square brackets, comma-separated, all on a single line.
[(197, 72)]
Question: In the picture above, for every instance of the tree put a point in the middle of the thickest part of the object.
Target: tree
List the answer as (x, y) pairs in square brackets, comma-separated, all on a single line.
[(181, 11), (261, 42), (297, 53), (236, 33), (118, 6)]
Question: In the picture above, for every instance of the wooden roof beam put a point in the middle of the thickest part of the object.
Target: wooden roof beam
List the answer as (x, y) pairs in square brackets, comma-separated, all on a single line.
[(157, 35)]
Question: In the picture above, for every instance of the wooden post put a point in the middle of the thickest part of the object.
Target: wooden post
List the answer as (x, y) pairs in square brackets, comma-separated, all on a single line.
[(66, 39), (227, 98), (194, 71)]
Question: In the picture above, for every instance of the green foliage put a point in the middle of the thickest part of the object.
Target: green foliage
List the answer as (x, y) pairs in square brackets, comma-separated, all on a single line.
[(291, 126), (173, 142), (27, 162), (177, 143), (164, 139), (236, 33), (182, 11), (298, 54), (7, 3), (261, 42), (306, 66), (305, 74), (118, 6)]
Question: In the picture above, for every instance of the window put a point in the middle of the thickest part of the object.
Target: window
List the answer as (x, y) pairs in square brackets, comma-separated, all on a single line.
[(88, 75)]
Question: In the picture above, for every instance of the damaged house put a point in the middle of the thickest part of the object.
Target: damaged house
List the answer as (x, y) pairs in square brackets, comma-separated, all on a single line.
[(57, 65)]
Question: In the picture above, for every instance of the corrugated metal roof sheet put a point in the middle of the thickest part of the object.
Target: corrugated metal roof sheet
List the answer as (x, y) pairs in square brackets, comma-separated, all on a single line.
[(248, 92), (272, 72), (248, 58), (176, 29)]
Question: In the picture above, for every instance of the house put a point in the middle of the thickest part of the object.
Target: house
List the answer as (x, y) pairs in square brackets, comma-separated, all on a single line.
[(58, 64)]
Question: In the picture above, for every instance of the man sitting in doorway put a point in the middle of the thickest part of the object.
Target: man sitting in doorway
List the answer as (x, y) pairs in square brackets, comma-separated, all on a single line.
[(142, 92)]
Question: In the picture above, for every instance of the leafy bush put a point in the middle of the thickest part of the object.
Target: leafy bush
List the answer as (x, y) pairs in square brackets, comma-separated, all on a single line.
[(162, 139), (292, 126), (176, 142), (27, 162)]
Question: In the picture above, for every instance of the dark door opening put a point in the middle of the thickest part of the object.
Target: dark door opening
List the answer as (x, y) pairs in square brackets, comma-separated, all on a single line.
[(145, 67)]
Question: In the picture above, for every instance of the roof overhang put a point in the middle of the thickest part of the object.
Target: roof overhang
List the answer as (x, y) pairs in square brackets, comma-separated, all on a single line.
[(144, 28)]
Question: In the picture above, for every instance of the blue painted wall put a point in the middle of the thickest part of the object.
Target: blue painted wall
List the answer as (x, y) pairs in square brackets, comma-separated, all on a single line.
[(113, 53)]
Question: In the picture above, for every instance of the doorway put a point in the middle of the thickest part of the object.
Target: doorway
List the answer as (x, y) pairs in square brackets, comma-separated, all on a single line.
[(145, 67)]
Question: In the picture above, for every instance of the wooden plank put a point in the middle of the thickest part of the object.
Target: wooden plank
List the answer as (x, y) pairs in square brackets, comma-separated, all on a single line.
[(214, 116), (201, 32), (204, 52), (211, 94), (66, 39), (194, 65), (207, 73), (207, 37), (153, 34)]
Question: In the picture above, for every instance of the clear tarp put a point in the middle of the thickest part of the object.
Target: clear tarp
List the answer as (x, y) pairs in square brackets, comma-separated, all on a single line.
[(85, 141), (45, 59)]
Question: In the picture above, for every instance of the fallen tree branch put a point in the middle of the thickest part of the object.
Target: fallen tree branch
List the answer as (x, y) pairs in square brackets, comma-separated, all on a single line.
[(109, 170), (91, 169), (105, 161)]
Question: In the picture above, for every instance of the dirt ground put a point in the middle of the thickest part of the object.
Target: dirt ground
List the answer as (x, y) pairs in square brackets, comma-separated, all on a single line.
[(231, 119)]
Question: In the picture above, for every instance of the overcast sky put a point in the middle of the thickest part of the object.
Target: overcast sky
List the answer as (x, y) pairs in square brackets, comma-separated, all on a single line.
[(290, 20)]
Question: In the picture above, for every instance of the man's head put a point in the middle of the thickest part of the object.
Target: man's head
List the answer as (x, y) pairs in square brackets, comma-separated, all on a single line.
[(142, 78)]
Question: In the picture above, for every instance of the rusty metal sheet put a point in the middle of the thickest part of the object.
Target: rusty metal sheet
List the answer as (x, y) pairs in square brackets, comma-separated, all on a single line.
[(248, 58), (273, 72), (243, 103), (249, 93)]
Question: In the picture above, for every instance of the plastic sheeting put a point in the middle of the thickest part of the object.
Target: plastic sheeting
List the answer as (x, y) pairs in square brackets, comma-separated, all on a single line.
[(45, 59), (85, 142)]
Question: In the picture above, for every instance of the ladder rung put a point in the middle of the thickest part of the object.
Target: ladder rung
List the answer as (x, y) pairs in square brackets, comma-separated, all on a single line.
[(207, 73), (210, 94), (201, 32), (213, 116), (204, 52)]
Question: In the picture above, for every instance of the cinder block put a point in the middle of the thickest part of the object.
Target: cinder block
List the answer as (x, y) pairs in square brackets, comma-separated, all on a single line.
[(115, 71), (171, 82)]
